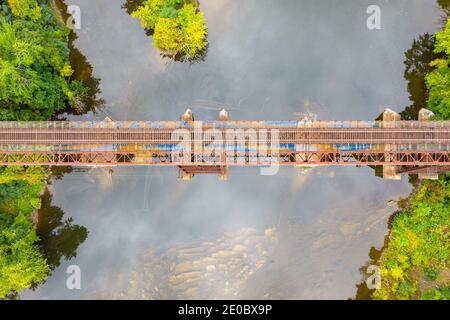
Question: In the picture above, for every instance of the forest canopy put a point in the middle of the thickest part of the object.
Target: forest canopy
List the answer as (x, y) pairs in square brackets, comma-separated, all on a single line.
[(21, 263), (34, 63), (25, 9), (35, 84), (415, 261), (438, 81), (418, 253)]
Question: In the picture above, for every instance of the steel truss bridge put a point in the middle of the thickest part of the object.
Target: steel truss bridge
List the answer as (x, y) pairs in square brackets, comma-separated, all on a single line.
[(212, 146)]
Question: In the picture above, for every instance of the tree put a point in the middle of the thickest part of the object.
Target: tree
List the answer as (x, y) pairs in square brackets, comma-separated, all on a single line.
[(21, 263), (178, 29), (149, 12), (34, 71), (417, 66), (418, 242), (25, 9), (194, 31), (438, 81), (35, 83), (168, 36)]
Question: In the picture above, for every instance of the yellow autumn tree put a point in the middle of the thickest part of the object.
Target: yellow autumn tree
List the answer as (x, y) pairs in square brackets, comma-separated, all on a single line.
[(25, 9)]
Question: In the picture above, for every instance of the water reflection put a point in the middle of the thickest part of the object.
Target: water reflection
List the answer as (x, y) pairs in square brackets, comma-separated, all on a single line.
[(417, 66), (132, 5), (141, 222), (445, 6), (83, 72), (59, 237), (267, 60), (362, 291)]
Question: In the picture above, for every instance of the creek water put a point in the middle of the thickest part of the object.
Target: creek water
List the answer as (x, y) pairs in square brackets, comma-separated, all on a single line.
[(298, 234)]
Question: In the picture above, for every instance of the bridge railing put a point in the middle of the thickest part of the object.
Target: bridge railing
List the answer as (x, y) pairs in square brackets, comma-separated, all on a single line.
[(219, 124)]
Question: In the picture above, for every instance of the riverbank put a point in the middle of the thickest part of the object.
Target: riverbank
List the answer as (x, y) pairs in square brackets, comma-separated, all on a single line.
[(35, 84), (415, 261), (21, 263)]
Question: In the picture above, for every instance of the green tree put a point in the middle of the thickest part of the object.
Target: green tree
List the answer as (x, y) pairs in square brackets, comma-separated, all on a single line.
[(150, 12), (34, 71), (441, 293), (35, 83), (419, 240), (194, 31), (21, 263), (417, 66)]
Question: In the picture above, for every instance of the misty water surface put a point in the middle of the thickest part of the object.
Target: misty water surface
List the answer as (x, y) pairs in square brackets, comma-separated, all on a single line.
[(299, 234)]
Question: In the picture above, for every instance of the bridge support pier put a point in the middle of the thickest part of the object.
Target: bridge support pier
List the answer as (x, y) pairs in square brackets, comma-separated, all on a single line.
[(187, 172), (185, 176), (389, 117), (431, 175), (427, 173), (425, 114), (390, 173), (188, 115), (224, 175), (223, 115)]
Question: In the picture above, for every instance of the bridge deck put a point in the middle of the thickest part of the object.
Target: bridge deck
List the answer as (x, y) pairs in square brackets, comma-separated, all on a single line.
[(161, 136), (299, 142)]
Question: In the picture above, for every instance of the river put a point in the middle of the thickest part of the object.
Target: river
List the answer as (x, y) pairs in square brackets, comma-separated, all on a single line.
[(301, 234)]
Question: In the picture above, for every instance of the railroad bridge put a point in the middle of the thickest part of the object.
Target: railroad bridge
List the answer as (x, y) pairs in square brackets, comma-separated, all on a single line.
[(197, 147)]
